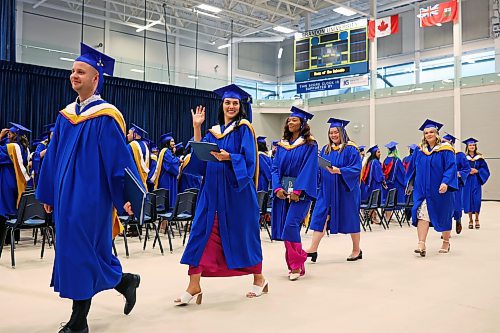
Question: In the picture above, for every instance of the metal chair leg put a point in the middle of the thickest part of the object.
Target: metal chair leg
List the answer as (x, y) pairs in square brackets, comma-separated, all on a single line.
[(12, 248), (125, 240)]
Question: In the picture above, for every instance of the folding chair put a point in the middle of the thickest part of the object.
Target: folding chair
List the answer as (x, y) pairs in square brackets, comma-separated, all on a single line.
[(389, 206), (30, 215), (366, 209), (150, 218), (404, 214), (262, 198)]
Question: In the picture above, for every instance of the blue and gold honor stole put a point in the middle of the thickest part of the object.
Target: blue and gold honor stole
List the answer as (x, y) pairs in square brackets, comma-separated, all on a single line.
[(185, 162), (441, 147), (91, 112), (218, 134), (475, 158), (142, 161), (22, 176), (155, 178), (297, 143)]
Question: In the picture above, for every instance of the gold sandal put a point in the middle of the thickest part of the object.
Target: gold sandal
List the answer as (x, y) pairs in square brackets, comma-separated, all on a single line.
[(445, 250), (421, 251)]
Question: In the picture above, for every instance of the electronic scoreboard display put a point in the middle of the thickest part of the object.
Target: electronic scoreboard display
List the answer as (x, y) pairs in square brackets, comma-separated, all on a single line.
[(332, 51)]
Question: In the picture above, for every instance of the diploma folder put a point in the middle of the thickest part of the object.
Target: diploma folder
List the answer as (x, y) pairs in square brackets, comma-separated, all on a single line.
[(323, 162), (135, 193), (202, 150)]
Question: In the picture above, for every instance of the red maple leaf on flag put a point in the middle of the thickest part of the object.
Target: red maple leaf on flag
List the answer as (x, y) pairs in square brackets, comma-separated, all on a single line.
[(383, 26)]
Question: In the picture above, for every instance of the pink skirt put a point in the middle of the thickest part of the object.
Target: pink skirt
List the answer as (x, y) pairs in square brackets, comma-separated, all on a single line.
[(213, 263)]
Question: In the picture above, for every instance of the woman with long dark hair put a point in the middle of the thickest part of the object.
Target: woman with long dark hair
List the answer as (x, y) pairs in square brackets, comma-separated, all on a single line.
[(434, 181), (265, 165), (478, 176), (339, 196), (167, 168), (225, 235), (294, 180)]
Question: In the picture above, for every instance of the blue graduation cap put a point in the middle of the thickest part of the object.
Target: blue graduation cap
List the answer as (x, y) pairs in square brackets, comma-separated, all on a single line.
[(102, 63), (43, 136), (166, 137), (430, 123), (275, 143), (362, 148), (470, 140), (35, 143), (449, 137), (180, 145), (49, 127), (373, 149), (391, 145), (261, 139), (18, 129), (153, 146), (413, 147), (233, 91), (138, 130), (299, 113), (334, 122)]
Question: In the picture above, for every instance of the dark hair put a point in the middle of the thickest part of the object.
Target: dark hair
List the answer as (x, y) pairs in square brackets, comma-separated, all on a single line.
[(476, 152), (373, 156), (166, 144), (261, 146), (242, 114), (304, 132)]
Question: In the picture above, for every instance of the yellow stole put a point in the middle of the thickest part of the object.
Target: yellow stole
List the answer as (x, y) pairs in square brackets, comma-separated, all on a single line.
[(136, 150), (442, 147), (156, 176), (20, 171)]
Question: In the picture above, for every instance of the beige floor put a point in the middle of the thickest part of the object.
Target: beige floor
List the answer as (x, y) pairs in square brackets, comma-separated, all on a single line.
[(390, 290)]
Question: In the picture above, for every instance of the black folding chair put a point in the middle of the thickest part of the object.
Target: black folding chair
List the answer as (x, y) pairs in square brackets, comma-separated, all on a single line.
[(193, 190), (389, 206), (30, 215), (366, 210), (262, 199), (404, 214), (150, 218), (162, 200)]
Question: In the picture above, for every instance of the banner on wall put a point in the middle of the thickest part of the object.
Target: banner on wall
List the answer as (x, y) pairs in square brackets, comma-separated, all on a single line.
[(357, 81), (308, 87), (438, 14)]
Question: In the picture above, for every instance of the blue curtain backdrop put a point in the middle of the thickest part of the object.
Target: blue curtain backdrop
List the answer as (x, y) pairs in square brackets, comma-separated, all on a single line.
[(8, 30), (33, 96)]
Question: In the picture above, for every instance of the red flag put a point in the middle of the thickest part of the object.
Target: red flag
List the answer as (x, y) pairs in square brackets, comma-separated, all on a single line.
[(438, 14), (383, 27)]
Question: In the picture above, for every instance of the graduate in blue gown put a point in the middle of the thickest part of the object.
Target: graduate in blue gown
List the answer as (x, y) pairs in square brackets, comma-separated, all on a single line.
[(434, 181), (463, 171), (153, 161), (186, 180), (294, 181), (139, 149), (479, 174), (40, 151), (394, 173), (264, 165), (14, 174), (225, 235), (407, 159), (372, 176), (82, 183), (339, 196), (168, 168)]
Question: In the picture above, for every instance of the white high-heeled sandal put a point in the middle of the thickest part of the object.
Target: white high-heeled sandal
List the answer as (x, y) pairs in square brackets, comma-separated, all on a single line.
[(294, 276), (257, 291), (186, 298)]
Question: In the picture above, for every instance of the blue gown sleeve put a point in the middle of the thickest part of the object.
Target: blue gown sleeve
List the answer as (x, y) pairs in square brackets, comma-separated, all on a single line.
[(450, 177), (275, 171), (483, 172), (463, 167), (4, 155), (410, 173), (46, 182), (307, 177), (400, 172), (36, 159), (170, 163), (351, 172), (152, 168), (265, 166), (195, 166), (245, 161), (116, 157), (376, 172)]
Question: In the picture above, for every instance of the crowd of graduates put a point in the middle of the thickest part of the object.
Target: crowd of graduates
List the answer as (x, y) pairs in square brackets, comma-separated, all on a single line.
[(85, 152)]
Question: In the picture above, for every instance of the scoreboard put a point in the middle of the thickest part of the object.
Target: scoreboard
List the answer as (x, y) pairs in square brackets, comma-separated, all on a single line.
[(333, 51)]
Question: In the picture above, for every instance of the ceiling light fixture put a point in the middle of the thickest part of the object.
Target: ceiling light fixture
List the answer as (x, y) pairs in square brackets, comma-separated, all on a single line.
[(147, 26), (223, 46), (280, 53), (284, 30), (206, 14), (344, 11), (137, 70), (66, 59), (209, 8)]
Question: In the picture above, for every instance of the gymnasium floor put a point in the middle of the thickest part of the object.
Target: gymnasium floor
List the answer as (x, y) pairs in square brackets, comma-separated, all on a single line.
[(390, 290)]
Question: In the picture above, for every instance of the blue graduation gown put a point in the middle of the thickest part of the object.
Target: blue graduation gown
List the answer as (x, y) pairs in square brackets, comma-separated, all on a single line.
[(228, 190), (168, 172), (472, 192), (395, 178), (82, 178), (36, 163), (373, 180), (298, 160), (186, 180), (264, 172), (9, 187), (339, 195), (463, 169), (152, 169), (433, 168)]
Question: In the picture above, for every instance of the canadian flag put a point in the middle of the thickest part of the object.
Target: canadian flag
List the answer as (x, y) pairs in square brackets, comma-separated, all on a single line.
[(383, 27)]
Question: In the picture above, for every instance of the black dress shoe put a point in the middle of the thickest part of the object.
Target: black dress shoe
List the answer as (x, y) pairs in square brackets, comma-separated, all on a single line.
[(313, 256), (459, 228), (66, 329), (130, 293), (358, 257)]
